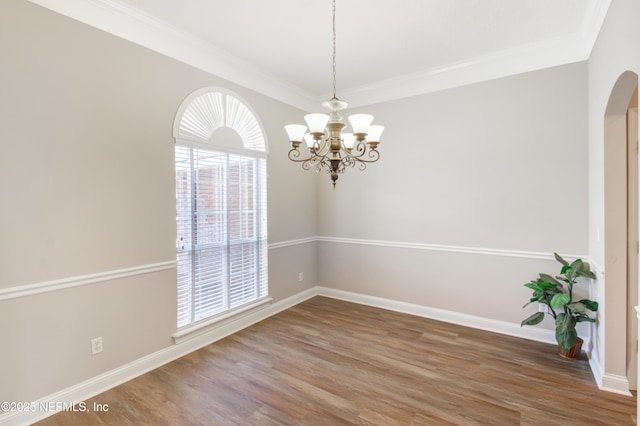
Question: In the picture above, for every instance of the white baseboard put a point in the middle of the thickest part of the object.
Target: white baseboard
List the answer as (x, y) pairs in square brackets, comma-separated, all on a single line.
[(596, 368), (103, 382), (96, 385), (502, 327), (616, 384), (606, 381)]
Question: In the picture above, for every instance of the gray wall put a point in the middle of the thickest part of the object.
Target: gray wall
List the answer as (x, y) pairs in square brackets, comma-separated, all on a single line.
[(87, 187), (492, 169)]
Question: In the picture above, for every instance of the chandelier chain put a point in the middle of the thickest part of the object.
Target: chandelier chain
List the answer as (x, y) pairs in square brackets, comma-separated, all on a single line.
[(334, 49)]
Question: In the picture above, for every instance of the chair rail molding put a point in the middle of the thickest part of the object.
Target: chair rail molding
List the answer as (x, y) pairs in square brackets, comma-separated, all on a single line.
[(80, 280)]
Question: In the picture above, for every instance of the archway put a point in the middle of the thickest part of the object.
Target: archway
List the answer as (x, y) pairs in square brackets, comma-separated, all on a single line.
[(621, 234)]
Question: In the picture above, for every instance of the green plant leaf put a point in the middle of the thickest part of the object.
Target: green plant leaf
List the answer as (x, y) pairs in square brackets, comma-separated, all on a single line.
[(549, 279), (533, 319), (559, 300), (560, 259), (590, 304), (565, 268), (540, 285), (586, 272), (548, 285), (578, 268), (533, 286), (566, 334), (566, 339), (577, 307), (589, 274), (565, 322)]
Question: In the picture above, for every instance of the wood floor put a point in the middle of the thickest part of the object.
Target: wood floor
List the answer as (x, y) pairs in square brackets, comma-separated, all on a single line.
[(329, 362)]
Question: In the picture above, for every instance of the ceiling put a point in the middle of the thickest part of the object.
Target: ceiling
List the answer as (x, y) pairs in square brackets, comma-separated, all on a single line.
[(385, 50)]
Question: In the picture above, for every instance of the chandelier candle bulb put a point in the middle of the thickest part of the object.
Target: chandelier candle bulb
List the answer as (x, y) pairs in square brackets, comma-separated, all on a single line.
[(295, 132), (316, 122), (328, 148), (374, 133), (348, 139), (360, 123)]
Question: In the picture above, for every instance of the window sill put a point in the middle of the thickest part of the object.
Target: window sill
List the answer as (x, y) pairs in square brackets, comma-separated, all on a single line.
[(205, 326)]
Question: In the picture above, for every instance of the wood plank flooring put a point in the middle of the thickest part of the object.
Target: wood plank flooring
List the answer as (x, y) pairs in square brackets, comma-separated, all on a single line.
[(330, 362)]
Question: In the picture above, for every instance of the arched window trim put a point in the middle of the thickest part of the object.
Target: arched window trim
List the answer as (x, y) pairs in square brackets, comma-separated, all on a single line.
[(207, 117), (201, 278)]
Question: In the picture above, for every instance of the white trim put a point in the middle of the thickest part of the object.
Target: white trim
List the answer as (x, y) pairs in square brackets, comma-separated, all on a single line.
[(608, 382), (595, 268), (487, 324), (596, 368), (65, 283), (209, 120), (220, 148), (141, 28), (80, 280), (448, 248), (148, 31), (103, 382), (290, 243), (433, 247), (197, 329), (615, 383)]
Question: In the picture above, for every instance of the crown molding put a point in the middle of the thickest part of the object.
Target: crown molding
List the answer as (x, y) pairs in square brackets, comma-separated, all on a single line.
[(133, 25), (532, 57), (149, 32)]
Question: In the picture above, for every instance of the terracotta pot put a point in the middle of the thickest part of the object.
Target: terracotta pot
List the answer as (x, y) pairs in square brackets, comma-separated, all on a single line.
[(573, 352)]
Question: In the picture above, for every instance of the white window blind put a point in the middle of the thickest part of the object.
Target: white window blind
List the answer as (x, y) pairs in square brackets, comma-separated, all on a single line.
[(221, 232)]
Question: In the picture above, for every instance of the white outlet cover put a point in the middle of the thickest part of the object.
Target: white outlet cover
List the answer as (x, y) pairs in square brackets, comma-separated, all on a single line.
[(96, 345)]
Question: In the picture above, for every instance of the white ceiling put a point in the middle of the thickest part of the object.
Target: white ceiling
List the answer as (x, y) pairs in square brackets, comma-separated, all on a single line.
[(385, 49)]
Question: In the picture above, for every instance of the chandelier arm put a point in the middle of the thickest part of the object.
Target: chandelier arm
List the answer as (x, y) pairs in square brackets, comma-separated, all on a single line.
[(294, 155), (373, 154), (321, 160), (362, 165), (307, 165), (355, 161), (359, 151), (321, 147), (326, 164), (348, 161)]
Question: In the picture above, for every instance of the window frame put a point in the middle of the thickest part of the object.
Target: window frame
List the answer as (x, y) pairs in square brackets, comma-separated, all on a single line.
[(199, 116)]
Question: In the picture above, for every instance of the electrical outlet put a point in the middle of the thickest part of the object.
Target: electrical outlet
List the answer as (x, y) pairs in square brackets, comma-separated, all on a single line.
[(96, 345), (300, 276)]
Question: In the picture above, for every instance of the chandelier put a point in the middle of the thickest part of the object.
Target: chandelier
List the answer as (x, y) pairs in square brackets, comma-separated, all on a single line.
[(330, 149)]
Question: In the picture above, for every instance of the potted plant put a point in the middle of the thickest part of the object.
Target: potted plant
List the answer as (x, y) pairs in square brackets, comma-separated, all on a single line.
[(556, 293)]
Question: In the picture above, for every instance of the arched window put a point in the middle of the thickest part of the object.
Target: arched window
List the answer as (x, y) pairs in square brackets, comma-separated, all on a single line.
[(221, 215)]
